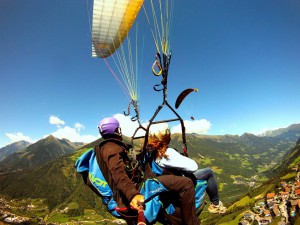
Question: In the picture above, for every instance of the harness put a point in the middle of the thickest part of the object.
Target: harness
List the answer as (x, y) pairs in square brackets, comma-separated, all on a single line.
[(96, 176), (132, 166)]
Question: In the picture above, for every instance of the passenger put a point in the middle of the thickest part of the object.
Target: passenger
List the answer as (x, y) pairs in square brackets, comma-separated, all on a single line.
[(172, 161)]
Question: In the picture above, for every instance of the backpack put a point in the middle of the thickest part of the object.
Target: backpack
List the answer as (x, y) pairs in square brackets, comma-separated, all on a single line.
[(88, 166)]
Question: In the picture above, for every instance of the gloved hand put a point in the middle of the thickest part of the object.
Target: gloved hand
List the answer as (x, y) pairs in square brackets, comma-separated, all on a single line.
[(136, 200)]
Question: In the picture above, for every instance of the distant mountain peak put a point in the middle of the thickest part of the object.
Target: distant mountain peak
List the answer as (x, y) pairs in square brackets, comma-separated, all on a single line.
[(51, 137), (246, 134), (11, 148), (39, 153), (287, 132)]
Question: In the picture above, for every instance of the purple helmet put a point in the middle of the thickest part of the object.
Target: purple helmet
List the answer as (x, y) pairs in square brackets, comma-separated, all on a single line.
[(108, 126)]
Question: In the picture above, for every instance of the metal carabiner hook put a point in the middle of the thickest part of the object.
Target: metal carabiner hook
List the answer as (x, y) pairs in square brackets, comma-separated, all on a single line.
[(134, 118), (155, 87), (156, 65), (128, 110)]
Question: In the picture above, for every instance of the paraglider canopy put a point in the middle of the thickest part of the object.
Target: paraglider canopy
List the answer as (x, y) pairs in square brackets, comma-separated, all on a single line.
[(182, 96), (112, 20)]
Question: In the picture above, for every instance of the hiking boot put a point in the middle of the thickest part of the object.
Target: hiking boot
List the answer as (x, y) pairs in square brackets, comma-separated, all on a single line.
[(217, 208)]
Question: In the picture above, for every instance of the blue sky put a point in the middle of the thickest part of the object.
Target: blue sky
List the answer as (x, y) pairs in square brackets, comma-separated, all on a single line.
[(243, 56)]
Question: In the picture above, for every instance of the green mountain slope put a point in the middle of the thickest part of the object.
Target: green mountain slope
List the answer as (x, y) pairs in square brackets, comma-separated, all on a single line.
[(14, 147), (39, 153), (291, 159), (237, 160), (57, 183), (285, 171)]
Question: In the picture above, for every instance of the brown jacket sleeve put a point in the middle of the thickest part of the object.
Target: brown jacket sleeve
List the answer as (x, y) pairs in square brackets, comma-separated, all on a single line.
[(110, 153)]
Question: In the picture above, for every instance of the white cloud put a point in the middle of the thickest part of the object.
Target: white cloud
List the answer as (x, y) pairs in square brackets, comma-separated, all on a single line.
[(70, 133), (193, 126), (79, 126), (128, 127), (73, 135), (54, 120), (14, 137)]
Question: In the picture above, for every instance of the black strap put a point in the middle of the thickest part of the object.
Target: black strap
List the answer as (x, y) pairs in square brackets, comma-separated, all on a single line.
[(118, 142)]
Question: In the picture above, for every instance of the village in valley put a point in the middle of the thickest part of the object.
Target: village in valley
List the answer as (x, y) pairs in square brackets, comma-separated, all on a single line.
[(10, 218), (281, 205)]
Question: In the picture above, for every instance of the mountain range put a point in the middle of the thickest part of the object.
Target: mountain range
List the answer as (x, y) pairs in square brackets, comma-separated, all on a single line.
[(39, 153), (289, 132), (11, 148), (45, 169)]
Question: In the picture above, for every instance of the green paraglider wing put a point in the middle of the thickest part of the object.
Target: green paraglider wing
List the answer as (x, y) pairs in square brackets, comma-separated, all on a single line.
[(182, 96)]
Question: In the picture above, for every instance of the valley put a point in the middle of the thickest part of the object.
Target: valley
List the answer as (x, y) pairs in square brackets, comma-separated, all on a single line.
[(53, 193)]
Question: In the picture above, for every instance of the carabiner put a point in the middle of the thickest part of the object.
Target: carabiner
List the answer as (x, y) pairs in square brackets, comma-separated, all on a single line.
[(154, 71), (134, 118), (155, 87), (128, 110)]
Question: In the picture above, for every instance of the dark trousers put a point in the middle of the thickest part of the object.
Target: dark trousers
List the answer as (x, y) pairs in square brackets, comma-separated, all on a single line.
[(212, 187), (182, 192)]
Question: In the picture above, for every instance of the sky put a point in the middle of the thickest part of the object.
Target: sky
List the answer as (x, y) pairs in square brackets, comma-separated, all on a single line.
[(243, 56)]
